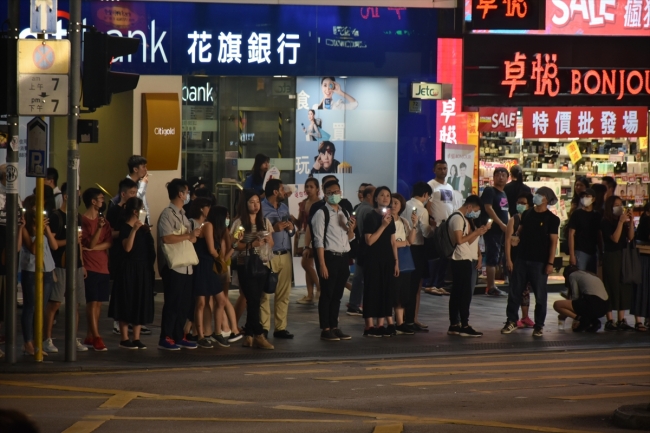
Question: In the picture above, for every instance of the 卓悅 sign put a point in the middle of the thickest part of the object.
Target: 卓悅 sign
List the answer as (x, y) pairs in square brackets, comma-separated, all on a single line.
[(431, 91), (451, 122), (508, 14), (531, 70), (497, 119), (585, 122)]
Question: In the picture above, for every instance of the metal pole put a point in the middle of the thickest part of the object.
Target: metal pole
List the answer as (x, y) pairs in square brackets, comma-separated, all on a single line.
[(12, 204), (38, 270), (71, 247)]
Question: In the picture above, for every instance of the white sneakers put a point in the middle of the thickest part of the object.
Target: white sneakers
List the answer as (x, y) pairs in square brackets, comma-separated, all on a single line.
[(81, 347), (49, 347)]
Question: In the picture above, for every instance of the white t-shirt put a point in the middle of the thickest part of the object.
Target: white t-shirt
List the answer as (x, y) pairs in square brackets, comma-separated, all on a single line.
[(400, 232), (466, 251), (442, 200)]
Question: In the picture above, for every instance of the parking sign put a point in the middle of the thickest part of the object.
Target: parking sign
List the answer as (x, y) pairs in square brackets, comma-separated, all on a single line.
[(37, 147)]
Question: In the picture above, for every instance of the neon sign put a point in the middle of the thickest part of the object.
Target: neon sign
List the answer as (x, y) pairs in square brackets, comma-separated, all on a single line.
[(508, 14)]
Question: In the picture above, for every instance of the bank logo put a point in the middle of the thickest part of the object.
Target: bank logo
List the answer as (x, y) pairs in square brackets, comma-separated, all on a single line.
[(164, 131)]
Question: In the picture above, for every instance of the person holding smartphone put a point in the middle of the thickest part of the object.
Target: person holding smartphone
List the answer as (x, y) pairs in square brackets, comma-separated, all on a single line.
[(330, 87)]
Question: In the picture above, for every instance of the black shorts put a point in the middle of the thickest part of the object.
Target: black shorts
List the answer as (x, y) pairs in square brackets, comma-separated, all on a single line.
[(590, 306), (98, 287)]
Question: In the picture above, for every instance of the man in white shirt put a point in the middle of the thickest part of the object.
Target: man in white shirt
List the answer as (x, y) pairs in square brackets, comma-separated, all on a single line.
[(419, 198), (462, 260), (138, 173), (441, 206), (51, 180)]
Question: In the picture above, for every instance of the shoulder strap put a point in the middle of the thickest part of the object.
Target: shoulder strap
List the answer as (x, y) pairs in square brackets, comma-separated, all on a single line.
[(447, 227), (327, 223)]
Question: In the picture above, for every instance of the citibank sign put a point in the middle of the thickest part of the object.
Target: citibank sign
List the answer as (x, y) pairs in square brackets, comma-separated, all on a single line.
[(164, 131)]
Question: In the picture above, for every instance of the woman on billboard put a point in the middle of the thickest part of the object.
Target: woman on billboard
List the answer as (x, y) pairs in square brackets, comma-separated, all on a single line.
[(325, 162), (312, 131), (329, 87)]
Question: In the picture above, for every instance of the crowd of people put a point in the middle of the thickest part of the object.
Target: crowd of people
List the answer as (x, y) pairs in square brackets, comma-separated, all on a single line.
[(399, 248)]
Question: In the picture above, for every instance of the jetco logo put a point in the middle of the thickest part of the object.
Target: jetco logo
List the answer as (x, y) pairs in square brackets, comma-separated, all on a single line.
[(164, 131), (430, 91)]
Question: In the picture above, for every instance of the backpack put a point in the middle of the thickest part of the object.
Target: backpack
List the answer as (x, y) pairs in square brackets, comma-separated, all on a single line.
[(444, 246), (354, 243)]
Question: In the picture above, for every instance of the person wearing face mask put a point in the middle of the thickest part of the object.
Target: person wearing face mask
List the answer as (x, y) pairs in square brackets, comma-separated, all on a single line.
[(462, 261), (584, 234), (617, 229), (538, 234), (96, 240), (524, 202), (495, 201), (278, 214)]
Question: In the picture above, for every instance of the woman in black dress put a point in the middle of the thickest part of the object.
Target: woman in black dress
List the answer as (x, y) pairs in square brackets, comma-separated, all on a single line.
[(380, 266), (132, 298)]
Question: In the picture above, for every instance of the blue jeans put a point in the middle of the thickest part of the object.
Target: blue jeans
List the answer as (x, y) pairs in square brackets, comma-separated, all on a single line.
[(587, 262), (28, 282), (356, 294), (525, 272), (438, 272)]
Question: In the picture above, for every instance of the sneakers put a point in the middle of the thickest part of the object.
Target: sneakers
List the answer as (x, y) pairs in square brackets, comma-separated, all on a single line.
[(168, 344), (537, 332), (468, 331), (139, 345), (143, 330), (221, 340), (192, 338), (260, 342), (305, 301), (622, 325), (595, 326), (493, 291), (49, 347), (354, 311), (404, 329), (88, 342), (81, 347), (127, 344), (204, 343), (184, 344), (610, 326), (372, 332), (525, 323), (116, 329), (391, 331), (235, 337), (329, 336), (284, 334), (454, 329), (509, 327), (340, 334), (98, 345)]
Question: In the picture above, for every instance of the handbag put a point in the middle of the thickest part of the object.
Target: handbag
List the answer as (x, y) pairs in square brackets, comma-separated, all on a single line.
[(271, 283), (631, 265), (180, 254), (255, 267), (219, 267), (406, 263)]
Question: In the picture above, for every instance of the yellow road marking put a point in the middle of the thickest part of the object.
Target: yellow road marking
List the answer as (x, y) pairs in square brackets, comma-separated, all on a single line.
[(213, 419), (502, 363), (288, 372), (457, 372), (118, 401), (516, 379), (389, 428), (598, 396), (84, 397), (84, 426), (427, 420)]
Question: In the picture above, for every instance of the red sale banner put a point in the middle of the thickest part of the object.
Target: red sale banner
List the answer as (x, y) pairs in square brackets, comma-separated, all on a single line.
[(497, 119), (585, 122)]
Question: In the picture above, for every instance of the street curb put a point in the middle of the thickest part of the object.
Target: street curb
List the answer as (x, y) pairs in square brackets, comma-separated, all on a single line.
[(633, 416)]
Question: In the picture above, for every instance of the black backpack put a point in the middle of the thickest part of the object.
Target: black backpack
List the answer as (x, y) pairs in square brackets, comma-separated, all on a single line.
[(354, 243), (442, 242)]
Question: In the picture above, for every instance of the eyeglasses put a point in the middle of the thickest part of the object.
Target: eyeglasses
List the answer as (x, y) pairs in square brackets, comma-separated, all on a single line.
[(333, 192)]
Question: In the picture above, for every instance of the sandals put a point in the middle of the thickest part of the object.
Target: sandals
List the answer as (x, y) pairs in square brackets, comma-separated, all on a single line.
[(433, 291), (640, 327), (305, 301)]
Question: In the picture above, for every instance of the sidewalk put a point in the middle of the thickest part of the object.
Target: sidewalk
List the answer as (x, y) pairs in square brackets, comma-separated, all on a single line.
[(487, 315)]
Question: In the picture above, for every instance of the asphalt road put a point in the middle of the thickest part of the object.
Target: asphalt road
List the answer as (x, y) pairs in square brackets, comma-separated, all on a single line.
[(553, 391)]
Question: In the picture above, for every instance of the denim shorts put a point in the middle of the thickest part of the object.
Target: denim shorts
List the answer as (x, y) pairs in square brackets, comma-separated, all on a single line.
[(493, 241)]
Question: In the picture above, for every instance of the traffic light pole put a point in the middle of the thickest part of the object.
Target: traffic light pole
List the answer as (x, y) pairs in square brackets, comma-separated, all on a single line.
[(72, 246), (12, 204)]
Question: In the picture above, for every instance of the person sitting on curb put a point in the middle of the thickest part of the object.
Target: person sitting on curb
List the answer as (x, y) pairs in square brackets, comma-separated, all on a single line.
[(587, 301)]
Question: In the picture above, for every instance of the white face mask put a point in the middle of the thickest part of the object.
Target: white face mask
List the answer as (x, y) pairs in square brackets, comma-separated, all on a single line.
[(617, 210), (586, 201)]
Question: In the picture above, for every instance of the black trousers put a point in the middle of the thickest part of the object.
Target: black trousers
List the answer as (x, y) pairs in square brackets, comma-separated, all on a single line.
[(461, 291), (252, 288), (331, 289), (421, 263), (178, 297)]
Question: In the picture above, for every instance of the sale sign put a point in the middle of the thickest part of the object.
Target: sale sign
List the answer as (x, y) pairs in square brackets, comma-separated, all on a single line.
[(585, 122), (598, 17), (497, 119)]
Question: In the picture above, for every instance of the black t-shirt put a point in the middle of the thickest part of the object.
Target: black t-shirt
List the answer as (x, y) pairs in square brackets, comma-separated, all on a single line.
[(513, 190), (499, 202), (643, 230), (381, 251), (587, 225), (535, 237), (114, 215), (608, 228), (58, 227), (143, 249)]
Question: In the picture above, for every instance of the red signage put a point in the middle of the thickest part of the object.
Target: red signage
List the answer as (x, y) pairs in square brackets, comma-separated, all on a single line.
[(451, 122), (598, 17), (497, 119), (585, 122)]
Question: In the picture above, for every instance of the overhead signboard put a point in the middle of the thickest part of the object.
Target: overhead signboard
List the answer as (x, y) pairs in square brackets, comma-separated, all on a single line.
[(508, 14), (497, 119), (43, 67), (37, 147), (527, 70), (598, 17), (430, 91), (585, 122)]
